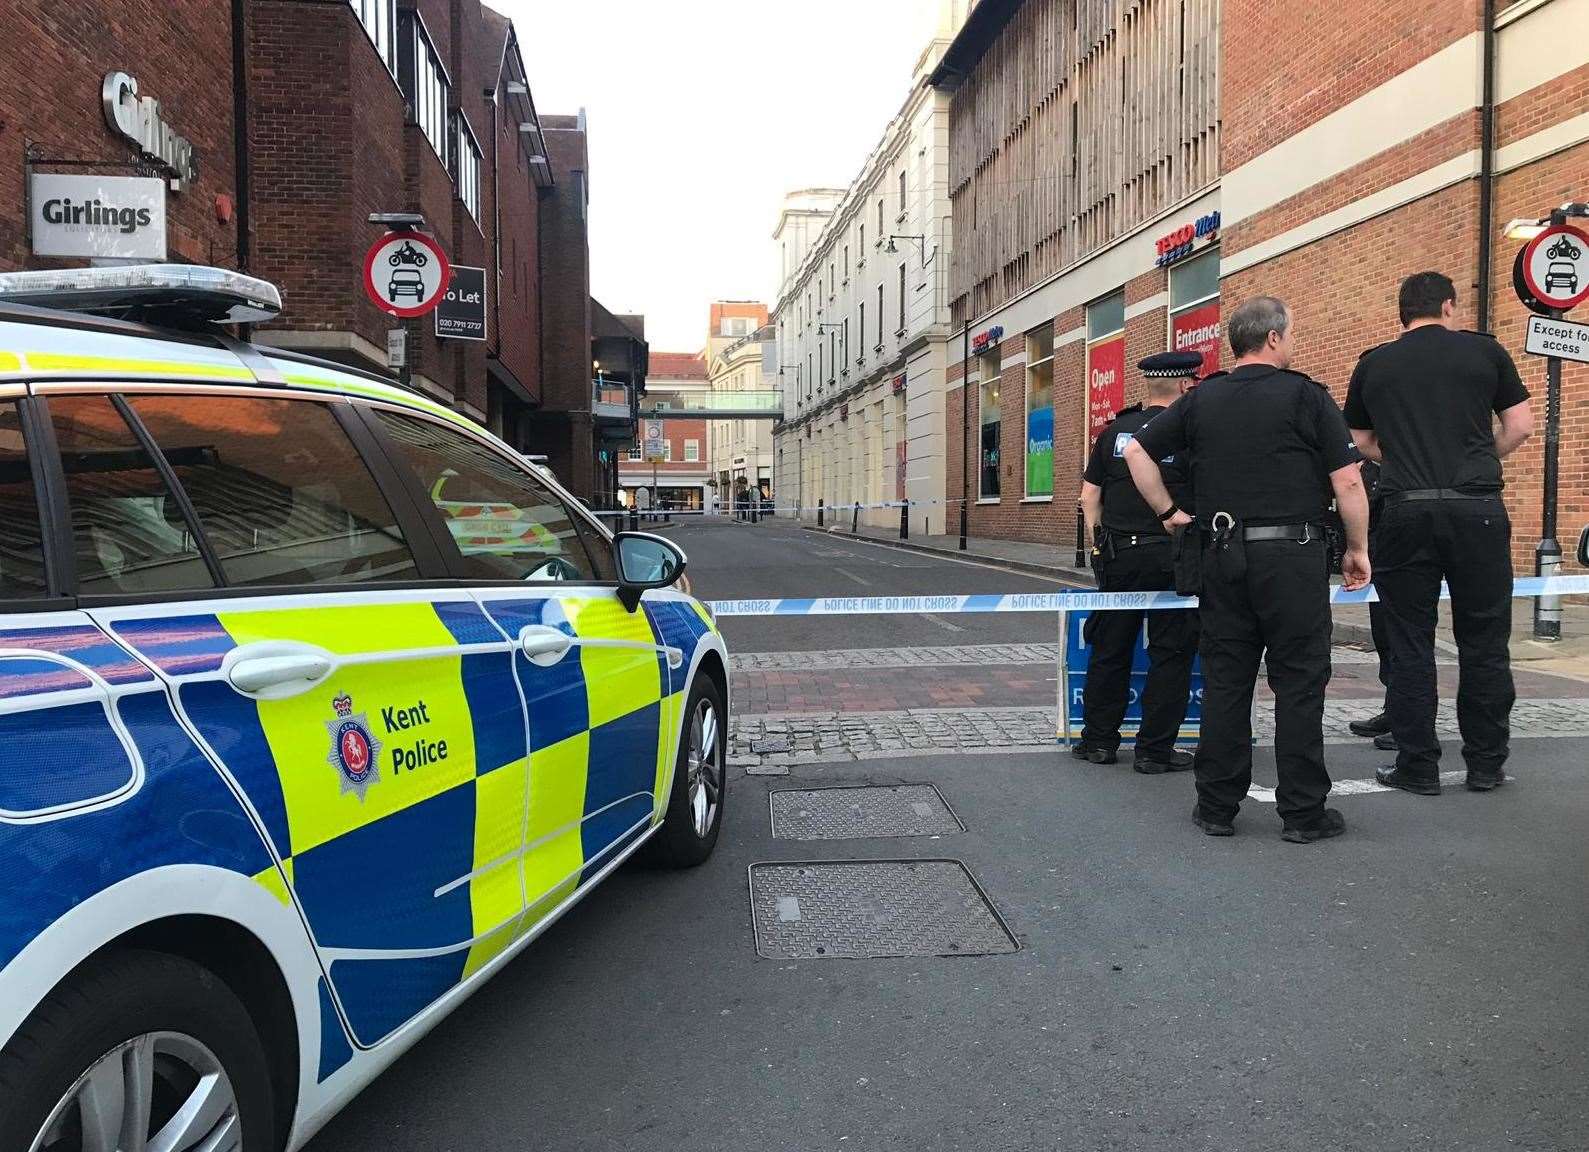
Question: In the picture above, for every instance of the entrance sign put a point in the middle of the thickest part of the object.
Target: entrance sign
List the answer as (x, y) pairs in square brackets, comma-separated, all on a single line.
[(406, 273), (1198, 330), (461, 315), (1106, 384), (103, 217), (1561, 338), (1555, 267)]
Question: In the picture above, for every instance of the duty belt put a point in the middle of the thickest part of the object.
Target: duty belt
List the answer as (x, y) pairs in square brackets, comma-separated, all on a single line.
[(1137, 539), (1224, 522), (1391, 499)]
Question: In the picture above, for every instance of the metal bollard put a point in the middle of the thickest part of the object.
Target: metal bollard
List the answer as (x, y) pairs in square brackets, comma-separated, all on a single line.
[(1081, 537), (755, 509), (962, 525), (855, 519), (904, 520), (819, 511), (634, 518)]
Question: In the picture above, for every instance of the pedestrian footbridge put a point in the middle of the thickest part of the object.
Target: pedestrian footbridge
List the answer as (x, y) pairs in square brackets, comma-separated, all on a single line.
[(714, 406)]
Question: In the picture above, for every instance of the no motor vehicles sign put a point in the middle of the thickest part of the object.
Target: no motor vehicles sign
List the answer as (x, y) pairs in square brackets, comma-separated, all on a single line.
[(1555, 267), (405, 273)]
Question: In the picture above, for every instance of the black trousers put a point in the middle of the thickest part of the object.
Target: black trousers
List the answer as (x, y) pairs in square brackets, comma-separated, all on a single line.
[(1112, 640), (1468, 543), (1279, 606), (1376, 610)]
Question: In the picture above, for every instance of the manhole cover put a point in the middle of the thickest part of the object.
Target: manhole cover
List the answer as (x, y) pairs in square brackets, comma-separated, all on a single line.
[(873, 909), (856, 813), (770, 744)]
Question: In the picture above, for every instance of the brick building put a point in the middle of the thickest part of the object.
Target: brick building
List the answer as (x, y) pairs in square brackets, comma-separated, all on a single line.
[(1120, 172), (304, 117), (675, 380)]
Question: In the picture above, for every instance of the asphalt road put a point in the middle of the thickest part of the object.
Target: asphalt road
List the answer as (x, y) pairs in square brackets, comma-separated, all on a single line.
[(734, 561), (1418, 983)]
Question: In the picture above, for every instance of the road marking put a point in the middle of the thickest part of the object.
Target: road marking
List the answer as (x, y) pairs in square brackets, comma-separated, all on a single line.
[(788, 908), (1062, 581), (942, 623), (853, 576), (1350, 787)]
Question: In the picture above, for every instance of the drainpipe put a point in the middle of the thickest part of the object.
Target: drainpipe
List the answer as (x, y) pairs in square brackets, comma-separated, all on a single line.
[(1487, 169), (965, 423), (496, 237)]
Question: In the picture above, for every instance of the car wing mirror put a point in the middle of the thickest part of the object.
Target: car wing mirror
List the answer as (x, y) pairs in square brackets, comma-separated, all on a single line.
[(645, 560)]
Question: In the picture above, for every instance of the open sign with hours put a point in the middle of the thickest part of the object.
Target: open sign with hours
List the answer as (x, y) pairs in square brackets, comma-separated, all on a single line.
[(1555, 267), (406, 273)]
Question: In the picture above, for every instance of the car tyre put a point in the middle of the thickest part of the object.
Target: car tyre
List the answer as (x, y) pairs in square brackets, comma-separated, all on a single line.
[(695, 802), (133, 1026)]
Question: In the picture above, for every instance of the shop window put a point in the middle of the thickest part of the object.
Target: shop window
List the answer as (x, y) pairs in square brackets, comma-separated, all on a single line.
[(692, 451), (379, 20), (636, 453), (425, 82), (1040, 411), (1106, 360), (990, 424), (1194, 308)]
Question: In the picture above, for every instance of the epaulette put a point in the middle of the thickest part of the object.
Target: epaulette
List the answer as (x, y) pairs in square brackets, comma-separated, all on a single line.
[(1302, 376), (1370, 348), (1476, 332)]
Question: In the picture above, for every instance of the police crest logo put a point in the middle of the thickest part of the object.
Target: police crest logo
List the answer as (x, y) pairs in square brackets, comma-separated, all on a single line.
[(355, 752)]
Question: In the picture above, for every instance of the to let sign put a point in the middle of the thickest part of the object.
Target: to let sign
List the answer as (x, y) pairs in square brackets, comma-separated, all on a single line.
[(461, 315), (1561, 338)]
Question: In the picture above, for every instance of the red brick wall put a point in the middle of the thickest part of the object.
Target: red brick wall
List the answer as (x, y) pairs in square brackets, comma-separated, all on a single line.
[(53, 59), (1331, 55)]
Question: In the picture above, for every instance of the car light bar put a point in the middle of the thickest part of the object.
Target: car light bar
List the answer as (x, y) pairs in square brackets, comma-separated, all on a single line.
[(176, 294)]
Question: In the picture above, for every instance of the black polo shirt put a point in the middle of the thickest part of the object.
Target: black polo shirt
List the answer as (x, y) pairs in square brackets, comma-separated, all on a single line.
[(1263, 442), (1124, 510), (1429, 397)]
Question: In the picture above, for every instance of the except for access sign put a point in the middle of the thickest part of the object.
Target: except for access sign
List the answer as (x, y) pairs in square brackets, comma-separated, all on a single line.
[(461, 315), (1561, 338), (406, 273), (1556, 266)]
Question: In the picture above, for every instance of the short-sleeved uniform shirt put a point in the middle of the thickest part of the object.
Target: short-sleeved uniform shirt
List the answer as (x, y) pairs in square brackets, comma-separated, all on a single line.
[(1429, 397), (1124, 510), (1263, 442)]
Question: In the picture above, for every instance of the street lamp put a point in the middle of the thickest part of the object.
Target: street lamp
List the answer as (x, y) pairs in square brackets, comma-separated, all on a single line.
[(920, 241)]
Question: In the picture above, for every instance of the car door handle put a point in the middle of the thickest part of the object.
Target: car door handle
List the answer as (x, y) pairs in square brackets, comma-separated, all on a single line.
[(293, 671), (544, 646)]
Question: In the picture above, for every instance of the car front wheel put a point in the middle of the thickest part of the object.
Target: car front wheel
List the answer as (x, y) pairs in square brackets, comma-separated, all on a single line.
[(140, 1050), (695, 804)]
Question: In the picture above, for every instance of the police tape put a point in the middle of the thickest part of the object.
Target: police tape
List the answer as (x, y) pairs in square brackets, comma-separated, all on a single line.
[(1075, 601), (728, 510)]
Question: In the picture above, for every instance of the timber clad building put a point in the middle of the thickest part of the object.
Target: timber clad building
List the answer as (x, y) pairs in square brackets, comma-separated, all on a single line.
[(1120, 170)]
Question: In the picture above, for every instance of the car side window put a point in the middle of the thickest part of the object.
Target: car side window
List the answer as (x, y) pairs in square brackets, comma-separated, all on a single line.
[(507, 524), (21, 537), (280, 492), (128, 531)]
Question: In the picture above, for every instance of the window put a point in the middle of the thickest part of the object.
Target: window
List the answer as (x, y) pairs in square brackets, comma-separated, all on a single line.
[(667, 451), (466, 166), (809, 377), (904, 194), (128, 532), (507, 524), (21, 537), (692, 451), (860, 247), (424, 83), (831, 282), (846, 345), (636, 453), (881, 226), (278, 490), (833, 359), (380, 24), (860, 328), (1106, 316), (879, 318), (846, 263), (1194, 308), (989, 419), (1040, 411), (822, 374), (901, 297)]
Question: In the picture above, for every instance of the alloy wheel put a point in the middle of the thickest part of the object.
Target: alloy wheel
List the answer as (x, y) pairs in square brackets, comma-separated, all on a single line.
[(704, 768)]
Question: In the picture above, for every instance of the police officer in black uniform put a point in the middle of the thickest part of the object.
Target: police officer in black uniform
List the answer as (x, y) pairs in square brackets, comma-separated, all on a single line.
[(1376, 727), (1424, 405), (1131, 553), (1267, 445)]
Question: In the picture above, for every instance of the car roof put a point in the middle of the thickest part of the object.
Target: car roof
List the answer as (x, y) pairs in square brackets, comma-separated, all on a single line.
[(39, 345)]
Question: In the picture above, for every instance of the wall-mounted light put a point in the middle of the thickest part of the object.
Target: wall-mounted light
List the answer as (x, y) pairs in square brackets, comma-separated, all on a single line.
[(921, 243), (1522, 229)]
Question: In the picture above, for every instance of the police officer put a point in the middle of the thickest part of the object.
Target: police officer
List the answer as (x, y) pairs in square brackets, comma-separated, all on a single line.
[(1376, 727), (1267, 446), (1423, 405), (1131, 553)]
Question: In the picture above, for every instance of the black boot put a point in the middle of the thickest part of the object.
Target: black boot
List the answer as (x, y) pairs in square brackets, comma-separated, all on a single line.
[(1393, 777), (1374, 726)]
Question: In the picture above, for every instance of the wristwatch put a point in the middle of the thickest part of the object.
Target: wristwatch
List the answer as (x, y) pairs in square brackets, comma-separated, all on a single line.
[(1168, 512)]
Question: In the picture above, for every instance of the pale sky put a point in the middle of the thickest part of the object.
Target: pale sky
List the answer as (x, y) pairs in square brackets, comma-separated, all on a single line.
[(702, 114)]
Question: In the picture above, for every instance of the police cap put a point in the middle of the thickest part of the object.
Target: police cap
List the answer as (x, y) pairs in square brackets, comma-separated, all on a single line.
[(1172, 364)]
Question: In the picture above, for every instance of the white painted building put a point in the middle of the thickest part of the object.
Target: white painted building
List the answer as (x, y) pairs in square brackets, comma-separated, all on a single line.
[(741, 450), (862, 321)]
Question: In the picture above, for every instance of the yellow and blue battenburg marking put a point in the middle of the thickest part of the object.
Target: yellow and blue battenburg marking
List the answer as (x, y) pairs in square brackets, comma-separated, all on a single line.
[(182, 813), (422, 825)]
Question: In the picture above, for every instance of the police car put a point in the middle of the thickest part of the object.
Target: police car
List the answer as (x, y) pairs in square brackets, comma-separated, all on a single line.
[(317, 704)]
